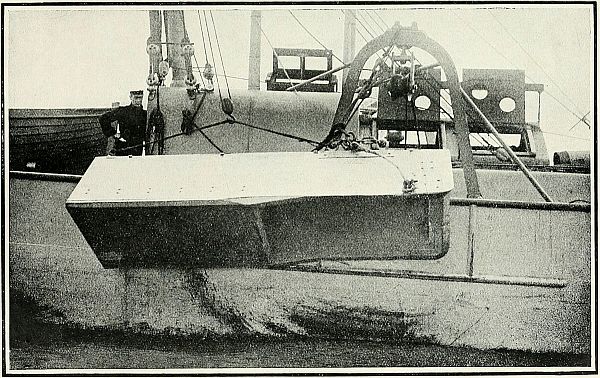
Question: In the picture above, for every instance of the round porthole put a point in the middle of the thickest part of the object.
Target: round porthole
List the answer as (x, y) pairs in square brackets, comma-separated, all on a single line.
[(422, 102), (479, 94), (507, 104)]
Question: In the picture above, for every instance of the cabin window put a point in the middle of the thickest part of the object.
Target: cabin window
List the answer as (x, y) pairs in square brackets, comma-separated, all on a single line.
[(411, 139), (315, 63), (507, 104), (288, 62), (422, 102), (483, 143), (479, 94)]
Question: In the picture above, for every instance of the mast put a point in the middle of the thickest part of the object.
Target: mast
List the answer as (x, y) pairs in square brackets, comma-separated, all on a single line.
[(175, 34), (349, 38), (254, 56)]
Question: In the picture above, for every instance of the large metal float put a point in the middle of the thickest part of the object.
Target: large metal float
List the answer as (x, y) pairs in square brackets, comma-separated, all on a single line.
[(264, 209)]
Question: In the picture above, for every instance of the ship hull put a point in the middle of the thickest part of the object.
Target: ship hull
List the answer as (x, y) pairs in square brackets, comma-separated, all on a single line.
[(494, 290)]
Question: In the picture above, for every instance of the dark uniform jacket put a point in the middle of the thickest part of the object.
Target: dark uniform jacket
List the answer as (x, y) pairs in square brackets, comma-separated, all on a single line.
[(132, 125)]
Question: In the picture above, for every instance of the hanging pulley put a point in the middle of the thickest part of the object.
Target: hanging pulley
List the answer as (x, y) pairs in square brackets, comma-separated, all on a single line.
[(208, 74), (163, 69), (227, 106)]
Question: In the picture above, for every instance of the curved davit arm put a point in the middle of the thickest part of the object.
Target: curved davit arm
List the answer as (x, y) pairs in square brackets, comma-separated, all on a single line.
[(407, 37)]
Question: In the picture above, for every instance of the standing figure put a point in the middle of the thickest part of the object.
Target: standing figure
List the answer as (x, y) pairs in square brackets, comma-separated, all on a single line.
[(130, 128)]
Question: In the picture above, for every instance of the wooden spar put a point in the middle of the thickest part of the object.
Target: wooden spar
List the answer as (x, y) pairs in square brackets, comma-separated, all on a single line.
[(331, 71), (510, 152), (334, 70)]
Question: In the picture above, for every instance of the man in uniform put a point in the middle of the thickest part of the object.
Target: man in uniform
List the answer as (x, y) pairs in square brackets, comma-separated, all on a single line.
[(130, 127)]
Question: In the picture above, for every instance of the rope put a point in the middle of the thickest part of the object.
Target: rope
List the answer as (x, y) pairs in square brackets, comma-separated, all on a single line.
[(367, 30), (356, 107), (170, 137), (566, 136), (188, 121), (227, 121), (208, 139), (374, 152), (315, 38), (299, 139), (156, 125)]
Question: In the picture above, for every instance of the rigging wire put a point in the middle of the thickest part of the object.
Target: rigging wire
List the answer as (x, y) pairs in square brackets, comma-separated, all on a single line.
[(200, 68), (366, 12), (490, 135), (381, 19), (509, 61), (220, 54), (315, 38), (277, 56), (566, 136), (205, 52), (357, 29), (202, 32), (534, 61), (581, 120), (363, 25), (371, 34), (212, 55)]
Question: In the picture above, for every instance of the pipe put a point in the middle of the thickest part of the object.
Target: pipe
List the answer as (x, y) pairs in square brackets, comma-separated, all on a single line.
[(450, 277), (525, 205), (331, 71), (508, 150)]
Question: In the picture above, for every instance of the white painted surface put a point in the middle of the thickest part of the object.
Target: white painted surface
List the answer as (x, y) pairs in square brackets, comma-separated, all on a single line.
[(257, 175)]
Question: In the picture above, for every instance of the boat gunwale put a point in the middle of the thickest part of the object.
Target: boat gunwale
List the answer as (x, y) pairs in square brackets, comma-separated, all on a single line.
[(455, 201)]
